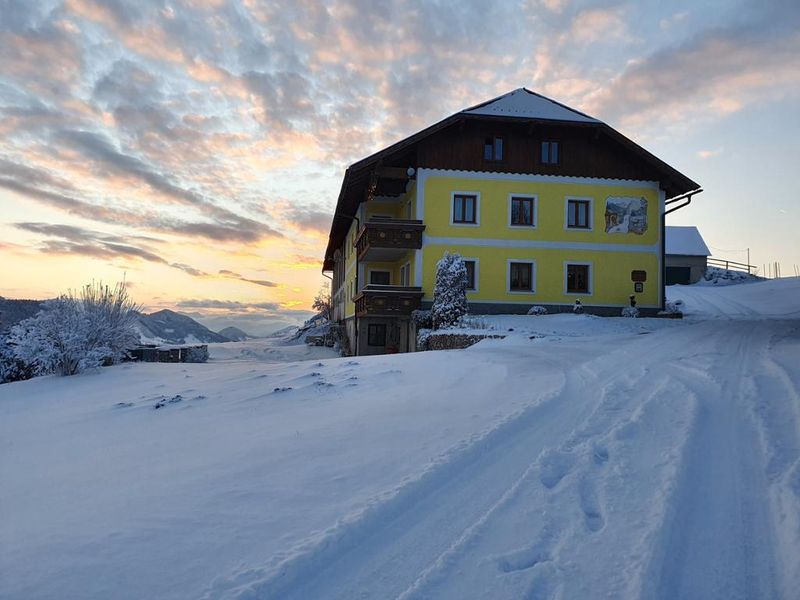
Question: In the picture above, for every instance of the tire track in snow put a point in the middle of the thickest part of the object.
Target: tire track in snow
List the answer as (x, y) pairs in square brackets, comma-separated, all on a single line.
[(717, 541)]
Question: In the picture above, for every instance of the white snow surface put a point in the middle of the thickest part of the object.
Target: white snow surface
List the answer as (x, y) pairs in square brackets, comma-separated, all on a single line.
[(685, 241), (527, 104), (578, 457)]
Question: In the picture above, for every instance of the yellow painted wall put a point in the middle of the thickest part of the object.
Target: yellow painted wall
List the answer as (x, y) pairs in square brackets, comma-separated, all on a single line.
[(610, 271), (550, 208), (611, 274)]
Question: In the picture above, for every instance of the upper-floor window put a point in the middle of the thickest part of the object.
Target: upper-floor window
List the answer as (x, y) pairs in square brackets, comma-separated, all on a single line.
[(550, 153), (465, 209), (472, 282), (579, 214), (523, 211), (493, 148)]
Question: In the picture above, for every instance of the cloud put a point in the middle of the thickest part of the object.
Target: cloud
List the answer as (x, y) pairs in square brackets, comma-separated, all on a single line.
[(228, 305), (715, 73), (234, 275), (704, 154), (68, 239)]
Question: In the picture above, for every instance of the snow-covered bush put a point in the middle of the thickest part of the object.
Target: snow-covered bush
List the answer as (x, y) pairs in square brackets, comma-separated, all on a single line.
[(674, 307), (422, 319), (75, 332), (578, 307), (537, 310), (450, 291), (423, 335), (630, 311), (11, 367)]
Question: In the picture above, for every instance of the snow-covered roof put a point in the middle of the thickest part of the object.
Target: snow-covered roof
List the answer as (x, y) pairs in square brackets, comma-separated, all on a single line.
[(685, 241), (530, 105)]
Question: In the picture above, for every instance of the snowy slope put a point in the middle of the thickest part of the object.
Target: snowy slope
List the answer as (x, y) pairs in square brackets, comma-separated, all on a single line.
[(576, 458)]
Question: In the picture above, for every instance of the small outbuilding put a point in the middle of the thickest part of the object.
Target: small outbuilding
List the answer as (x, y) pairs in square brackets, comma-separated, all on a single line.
[(686, 255)]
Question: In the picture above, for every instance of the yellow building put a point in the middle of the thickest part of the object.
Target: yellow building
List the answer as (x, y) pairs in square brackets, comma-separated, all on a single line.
[(546, 205)]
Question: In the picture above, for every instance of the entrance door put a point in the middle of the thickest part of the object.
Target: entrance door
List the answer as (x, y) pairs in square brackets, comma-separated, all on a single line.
[(679, 275)]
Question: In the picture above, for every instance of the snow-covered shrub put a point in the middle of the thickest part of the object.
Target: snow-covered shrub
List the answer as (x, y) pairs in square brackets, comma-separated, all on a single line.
[(11, 367), (630, 311), (76, 332), (422, 319), (450, 291), (674, 307), (198, 354), (537, 310), (423, 335), (578, 308)]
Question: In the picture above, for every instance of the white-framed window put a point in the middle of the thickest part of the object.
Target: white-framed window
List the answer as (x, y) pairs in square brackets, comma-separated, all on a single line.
[(465, 209), (578, 278), (521, 276), (473, 273), (522, 210), (578, 213), (380, 277)]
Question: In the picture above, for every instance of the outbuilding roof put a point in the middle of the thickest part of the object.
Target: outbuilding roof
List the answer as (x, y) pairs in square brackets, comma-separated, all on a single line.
[(685, 241)]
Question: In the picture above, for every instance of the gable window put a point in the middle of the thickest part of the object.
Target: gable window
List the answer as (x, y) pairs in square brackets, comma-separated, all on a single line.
[(520, 277), (523, 211), (550, 153), (577, 279), (472, 282), (376, 334), (465, 209), (380, 277), (493, 148), (579, 214)]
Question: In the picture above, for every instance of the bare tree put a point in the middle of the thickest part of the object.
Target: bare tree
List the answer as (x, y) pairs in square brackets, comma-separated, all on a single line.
[(322, 302)]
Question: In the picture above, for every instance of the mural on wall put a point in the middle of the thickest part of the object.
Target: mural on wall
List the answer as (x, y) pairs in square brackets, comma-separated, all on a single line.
[(626, 215)]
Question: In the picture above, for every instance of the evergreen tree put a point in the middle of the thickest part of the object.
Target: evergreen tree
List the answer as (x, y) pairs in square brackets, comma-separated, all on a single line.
[(450, 291)]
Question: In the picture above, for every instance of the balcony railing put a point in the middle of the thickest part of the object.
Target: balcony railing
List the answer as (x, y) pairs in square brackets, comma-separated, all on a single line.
[(388, 239), (387, 300)]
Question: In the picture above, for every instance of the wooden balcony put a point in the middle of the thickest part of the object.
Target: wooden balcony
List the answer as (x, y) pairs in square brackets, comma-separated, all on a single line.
[(387, 300), (387, 240)]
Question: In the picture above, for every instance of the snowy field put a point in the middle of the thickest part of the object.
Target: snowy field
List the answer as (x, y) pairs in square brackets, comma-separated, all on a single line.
[(579, 457)]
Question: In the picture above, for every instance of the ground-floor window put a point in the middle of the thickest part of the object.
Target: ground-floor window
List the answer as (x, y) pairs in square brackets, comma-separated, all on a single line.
[(520, 276), (472, 283), (376, 334), (577, 279)]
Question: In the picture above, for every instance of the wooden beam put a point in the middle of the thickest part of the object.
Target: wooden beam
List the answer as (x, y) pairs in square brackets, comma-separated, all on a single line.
[(391, 172)]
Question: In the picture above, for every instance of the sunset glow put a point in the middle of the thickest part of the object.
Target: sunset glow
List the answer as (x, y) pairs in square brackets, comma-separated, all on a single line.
[(195, 148)]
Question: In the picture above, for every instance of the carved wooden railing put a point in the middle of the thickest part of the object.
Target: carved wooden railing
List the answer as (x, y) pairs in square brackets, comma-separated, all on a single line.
[(387, 300), (389, 233)]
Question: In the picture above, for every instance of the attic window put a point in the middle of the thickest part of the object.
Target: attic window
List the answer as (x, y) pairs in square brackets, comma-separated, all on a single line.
[(493, 148), (550, 153)]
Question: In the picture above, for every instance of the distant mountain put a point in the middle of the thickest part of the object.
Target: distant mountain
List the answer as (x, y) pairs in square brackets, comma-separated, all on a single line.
[(167, 326), (14, 311), (234, 334), (285, 332)]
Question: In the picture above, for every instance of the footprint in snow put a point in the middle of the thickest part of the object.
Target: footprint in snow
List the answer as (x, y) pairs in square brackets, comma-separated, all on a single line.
[(123, 404), (592, 513), (554, 467), (282, 389)]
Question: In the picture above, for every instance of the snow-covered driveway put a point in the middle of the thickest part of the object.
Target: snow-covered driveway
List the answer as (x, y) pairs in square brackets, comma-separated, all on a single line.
[(610, 458)]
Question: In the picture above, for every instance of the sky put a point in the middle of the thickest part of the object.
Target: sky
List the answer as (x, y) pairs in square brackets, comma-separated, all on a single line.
[(195, 148)]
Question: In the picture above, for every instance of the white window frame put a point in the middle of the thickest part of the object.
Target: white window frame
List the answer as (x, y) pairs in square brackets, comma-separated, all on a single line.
[(477, 273), (477, 209), (529, 261), (371, 271), (591, 277), (588, 199), (535, 199)]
